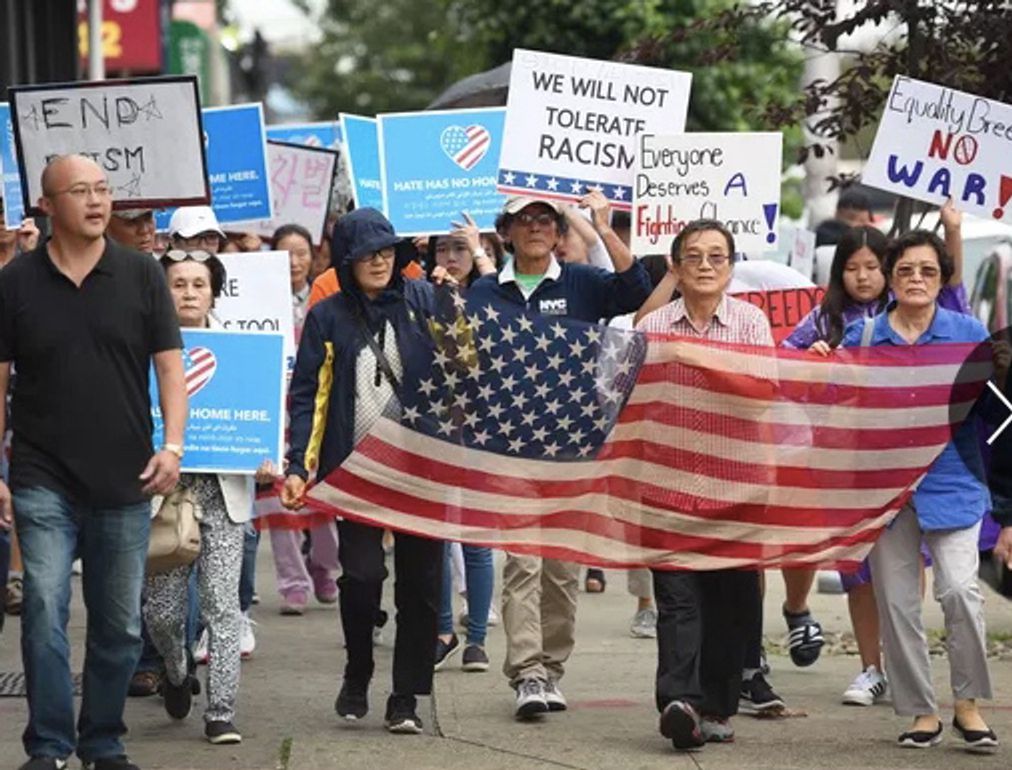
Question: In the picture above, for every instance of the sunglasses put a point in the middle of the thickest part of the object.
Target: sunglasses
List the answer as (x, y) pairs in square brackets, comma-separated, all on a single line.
[(179, 255)]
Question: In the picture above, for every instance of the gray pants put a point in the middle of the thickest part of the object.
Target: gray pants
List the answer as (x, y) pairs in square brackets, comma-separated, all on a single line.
[(165, 606), (895, 568)]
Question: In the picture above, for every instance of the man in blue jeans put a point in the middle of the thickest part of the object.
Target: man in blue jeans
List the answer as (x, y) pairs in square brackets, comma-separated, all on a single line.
[(82, 318)]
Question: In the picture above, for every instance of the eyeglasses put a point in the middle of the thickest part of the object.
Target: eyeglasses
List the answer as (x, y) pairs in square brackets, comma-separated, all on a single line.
[(927, 272), (544, 219), (384, 254), (197, 255), (695, 260), (209, 238), (82, 191)]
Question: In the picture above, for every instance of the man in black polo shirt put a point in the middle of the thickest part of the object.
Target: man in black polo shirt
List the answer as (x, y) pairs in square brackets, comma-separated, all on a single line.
[(81, 318)]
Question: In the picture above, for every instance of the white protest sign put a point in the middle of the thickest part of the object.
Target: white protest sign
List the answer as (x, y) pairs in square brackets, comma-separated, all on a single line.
[(802, 257), (934, 142), (257, 296), (730, 177), (301, 182), (146, 134), (571, 123)]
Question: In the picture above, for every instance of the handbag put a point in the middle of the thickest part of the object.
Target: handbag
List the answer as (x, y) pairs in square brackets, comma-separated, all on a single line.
[(175, 531)]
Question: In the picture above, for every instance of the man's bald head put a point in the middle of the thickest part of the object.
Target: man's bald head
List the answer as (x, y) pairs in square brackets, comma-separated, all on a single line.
[(63, 170)]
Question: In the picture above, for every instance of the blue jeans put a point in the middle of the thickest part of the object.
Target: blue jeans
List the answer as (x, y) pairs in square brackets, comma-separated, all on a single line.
[(247, 578), (479, 577), (113, 545)]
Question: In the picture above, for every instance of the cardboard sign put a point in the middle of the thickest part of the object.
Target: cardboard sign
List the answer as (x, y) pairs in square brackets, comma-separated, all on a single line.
[(934, 142), (10, 189), (361, 146), (257, 296), (785, 308), (146, 135), (572, 123), (302, 179), (235, 387), (236, 164), (435, 165), (732, 177), (326, 134)]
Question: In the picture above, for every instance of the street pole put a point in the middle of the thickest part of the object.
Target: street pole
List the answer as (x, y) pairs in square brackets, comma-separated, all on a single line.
[(96, 61)]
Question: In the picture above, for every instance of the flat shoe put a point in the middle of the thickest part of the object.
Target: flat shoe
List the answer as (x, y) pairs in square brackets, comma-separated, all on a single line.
[(976, 741), (921, 739)]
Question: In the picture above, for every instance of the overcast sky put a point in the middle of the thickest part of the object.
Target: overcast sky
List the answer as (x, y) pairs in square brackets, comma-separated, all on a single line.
[(276, 19)]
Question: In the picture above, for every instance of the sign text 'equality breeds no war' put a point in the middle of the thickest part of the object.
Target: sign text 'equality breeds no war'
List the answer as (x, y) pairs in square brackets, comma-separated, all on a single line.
[(934, 143), (731, 177), (572, 123)]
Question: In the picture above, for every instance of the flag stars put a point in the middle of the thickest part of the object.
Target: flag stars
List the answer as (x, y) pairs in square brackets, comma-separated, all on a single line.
[(531, 180), (491, 313), (576, 186), (525, 323), (481, 437), (542, 343), (427, 387), (509, 177), (559, 330), (496, 410), (516, 446), (551, 449), (576, 348), (539, 435), (506, 427), (555, 361), (411, 414), (552, 183), (508, 334)]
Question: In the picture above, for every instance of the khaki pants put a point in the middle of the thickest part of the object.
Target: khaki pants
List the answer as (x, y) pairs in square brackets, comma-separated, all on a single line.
[(896, 569), (539, 616)]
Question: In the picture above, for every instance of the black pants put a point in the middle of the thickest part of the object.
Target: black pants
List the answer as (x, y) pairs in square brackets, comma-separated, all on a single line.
[(418, 565), (703, 624)]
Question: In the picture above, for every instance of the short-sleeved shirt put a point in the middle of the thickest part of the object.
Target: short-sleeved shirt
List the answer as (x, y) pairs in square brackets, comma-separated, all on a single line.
[(81, 411), (951, 495)]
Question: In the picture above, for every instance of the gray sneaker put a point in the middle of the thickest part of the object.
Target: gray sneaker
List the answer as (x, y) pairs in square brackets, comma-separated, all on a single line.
[(475, 658), (644, 624)]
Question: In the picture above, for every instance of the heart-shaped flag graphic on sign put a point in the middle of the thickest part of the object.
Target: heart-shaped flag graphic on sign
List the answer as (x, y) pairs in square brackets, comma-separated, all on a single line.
[(200, 364), (465, 146)]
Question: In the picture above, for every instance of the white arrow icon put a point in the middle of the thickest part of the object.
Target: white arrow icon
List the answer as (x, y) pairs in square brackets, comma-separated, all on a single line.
[(1008, 406)]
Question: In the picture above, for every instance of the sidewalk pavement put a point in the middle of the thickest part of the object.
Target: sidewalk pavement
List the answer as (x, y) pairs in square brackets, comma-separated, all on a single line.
[(286, 705)]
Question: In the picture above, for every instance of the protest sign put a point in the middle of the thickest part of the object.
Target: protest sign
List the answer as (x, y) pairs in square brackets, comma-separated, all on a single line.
[(731, 177), (435, 165), (10, 189), (361, 145), (785, 308), (146, 134), (802, 256), (302, 179), (934, 143), (326, 134), (257, 296), (236, 165), (571, 123), (235, 388)]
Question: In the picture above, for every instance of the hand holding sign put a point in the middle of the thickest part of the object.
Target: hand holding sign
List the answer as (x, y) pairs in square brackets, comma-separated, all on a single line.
[(468, 232), (600, 209)]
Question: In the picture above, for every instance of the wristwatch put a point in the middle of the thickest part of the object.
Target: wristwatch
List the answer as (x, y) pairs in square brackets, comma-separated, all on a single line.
[(479, 253), (174, 448)]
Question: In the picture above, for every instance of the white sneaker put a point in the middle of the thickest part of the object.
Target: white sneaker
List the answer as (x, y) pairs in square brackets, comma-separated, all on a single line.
[(644, 624), (531, 700), (554, 698), (868, 687), (200, 649), (247, 641), (493, 616)]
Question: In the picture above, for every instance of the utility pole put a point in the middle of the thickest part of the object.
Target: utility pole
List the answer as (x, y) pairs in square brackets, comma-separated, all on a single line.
[(96, 59)]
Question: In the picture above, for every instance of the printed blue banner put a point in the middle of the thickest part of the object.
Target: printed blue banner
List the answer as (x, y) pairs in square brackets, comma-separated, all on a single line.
[(235, 385), (435, 165), (362, 155), (326, 134), (236, 147), (14, 207)]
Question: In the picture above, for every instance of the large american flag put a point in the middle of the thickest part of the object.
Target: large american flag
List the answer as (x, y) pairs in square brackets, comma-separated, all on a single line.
[(549, 436)]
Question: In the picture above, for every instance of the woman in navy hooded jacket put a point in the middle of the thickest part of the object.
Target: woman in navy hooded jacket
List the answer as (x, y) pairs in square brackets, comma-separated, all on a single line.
[(339, 388)]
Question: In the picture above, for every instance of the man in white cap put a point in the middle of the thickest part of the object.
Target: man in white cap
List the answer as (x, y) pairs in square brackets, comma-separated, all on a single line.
[(196, 227), (133, 228), (539, 594)]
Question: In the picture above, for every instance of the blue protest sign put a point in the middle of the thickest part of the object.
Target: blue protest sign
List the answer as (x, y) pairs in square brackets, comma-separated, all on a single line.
[(14, 207), (326, 134), (362, 156), (235, 385), (435, 165), (236, 147)]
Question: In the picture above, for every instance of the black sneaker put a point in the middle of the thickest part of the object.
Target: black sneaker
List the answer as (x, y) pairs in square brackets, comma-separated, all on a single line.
[(804, 637), (921, 739), (44, 763), (178, 697), (220, 731), (120, 762), (352, 702), (757, 697), (445, 651), (474, 658), (680, 724), (401, 717)]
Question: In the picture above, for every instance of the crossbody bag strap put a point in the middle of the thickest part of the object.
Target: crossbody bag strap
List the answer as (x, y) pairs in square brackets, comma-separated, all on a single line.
[(381, 357)]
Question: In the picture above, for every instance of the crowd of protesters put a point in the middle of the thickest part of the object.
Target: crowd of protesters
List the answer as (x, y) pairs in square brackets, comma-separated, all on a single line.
[(104, 295)]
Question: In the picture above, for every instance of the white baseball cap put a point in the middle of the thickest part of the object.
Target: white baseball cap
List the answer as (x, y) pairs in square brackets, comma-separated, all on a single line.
[(518, 203), (188, 221)]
